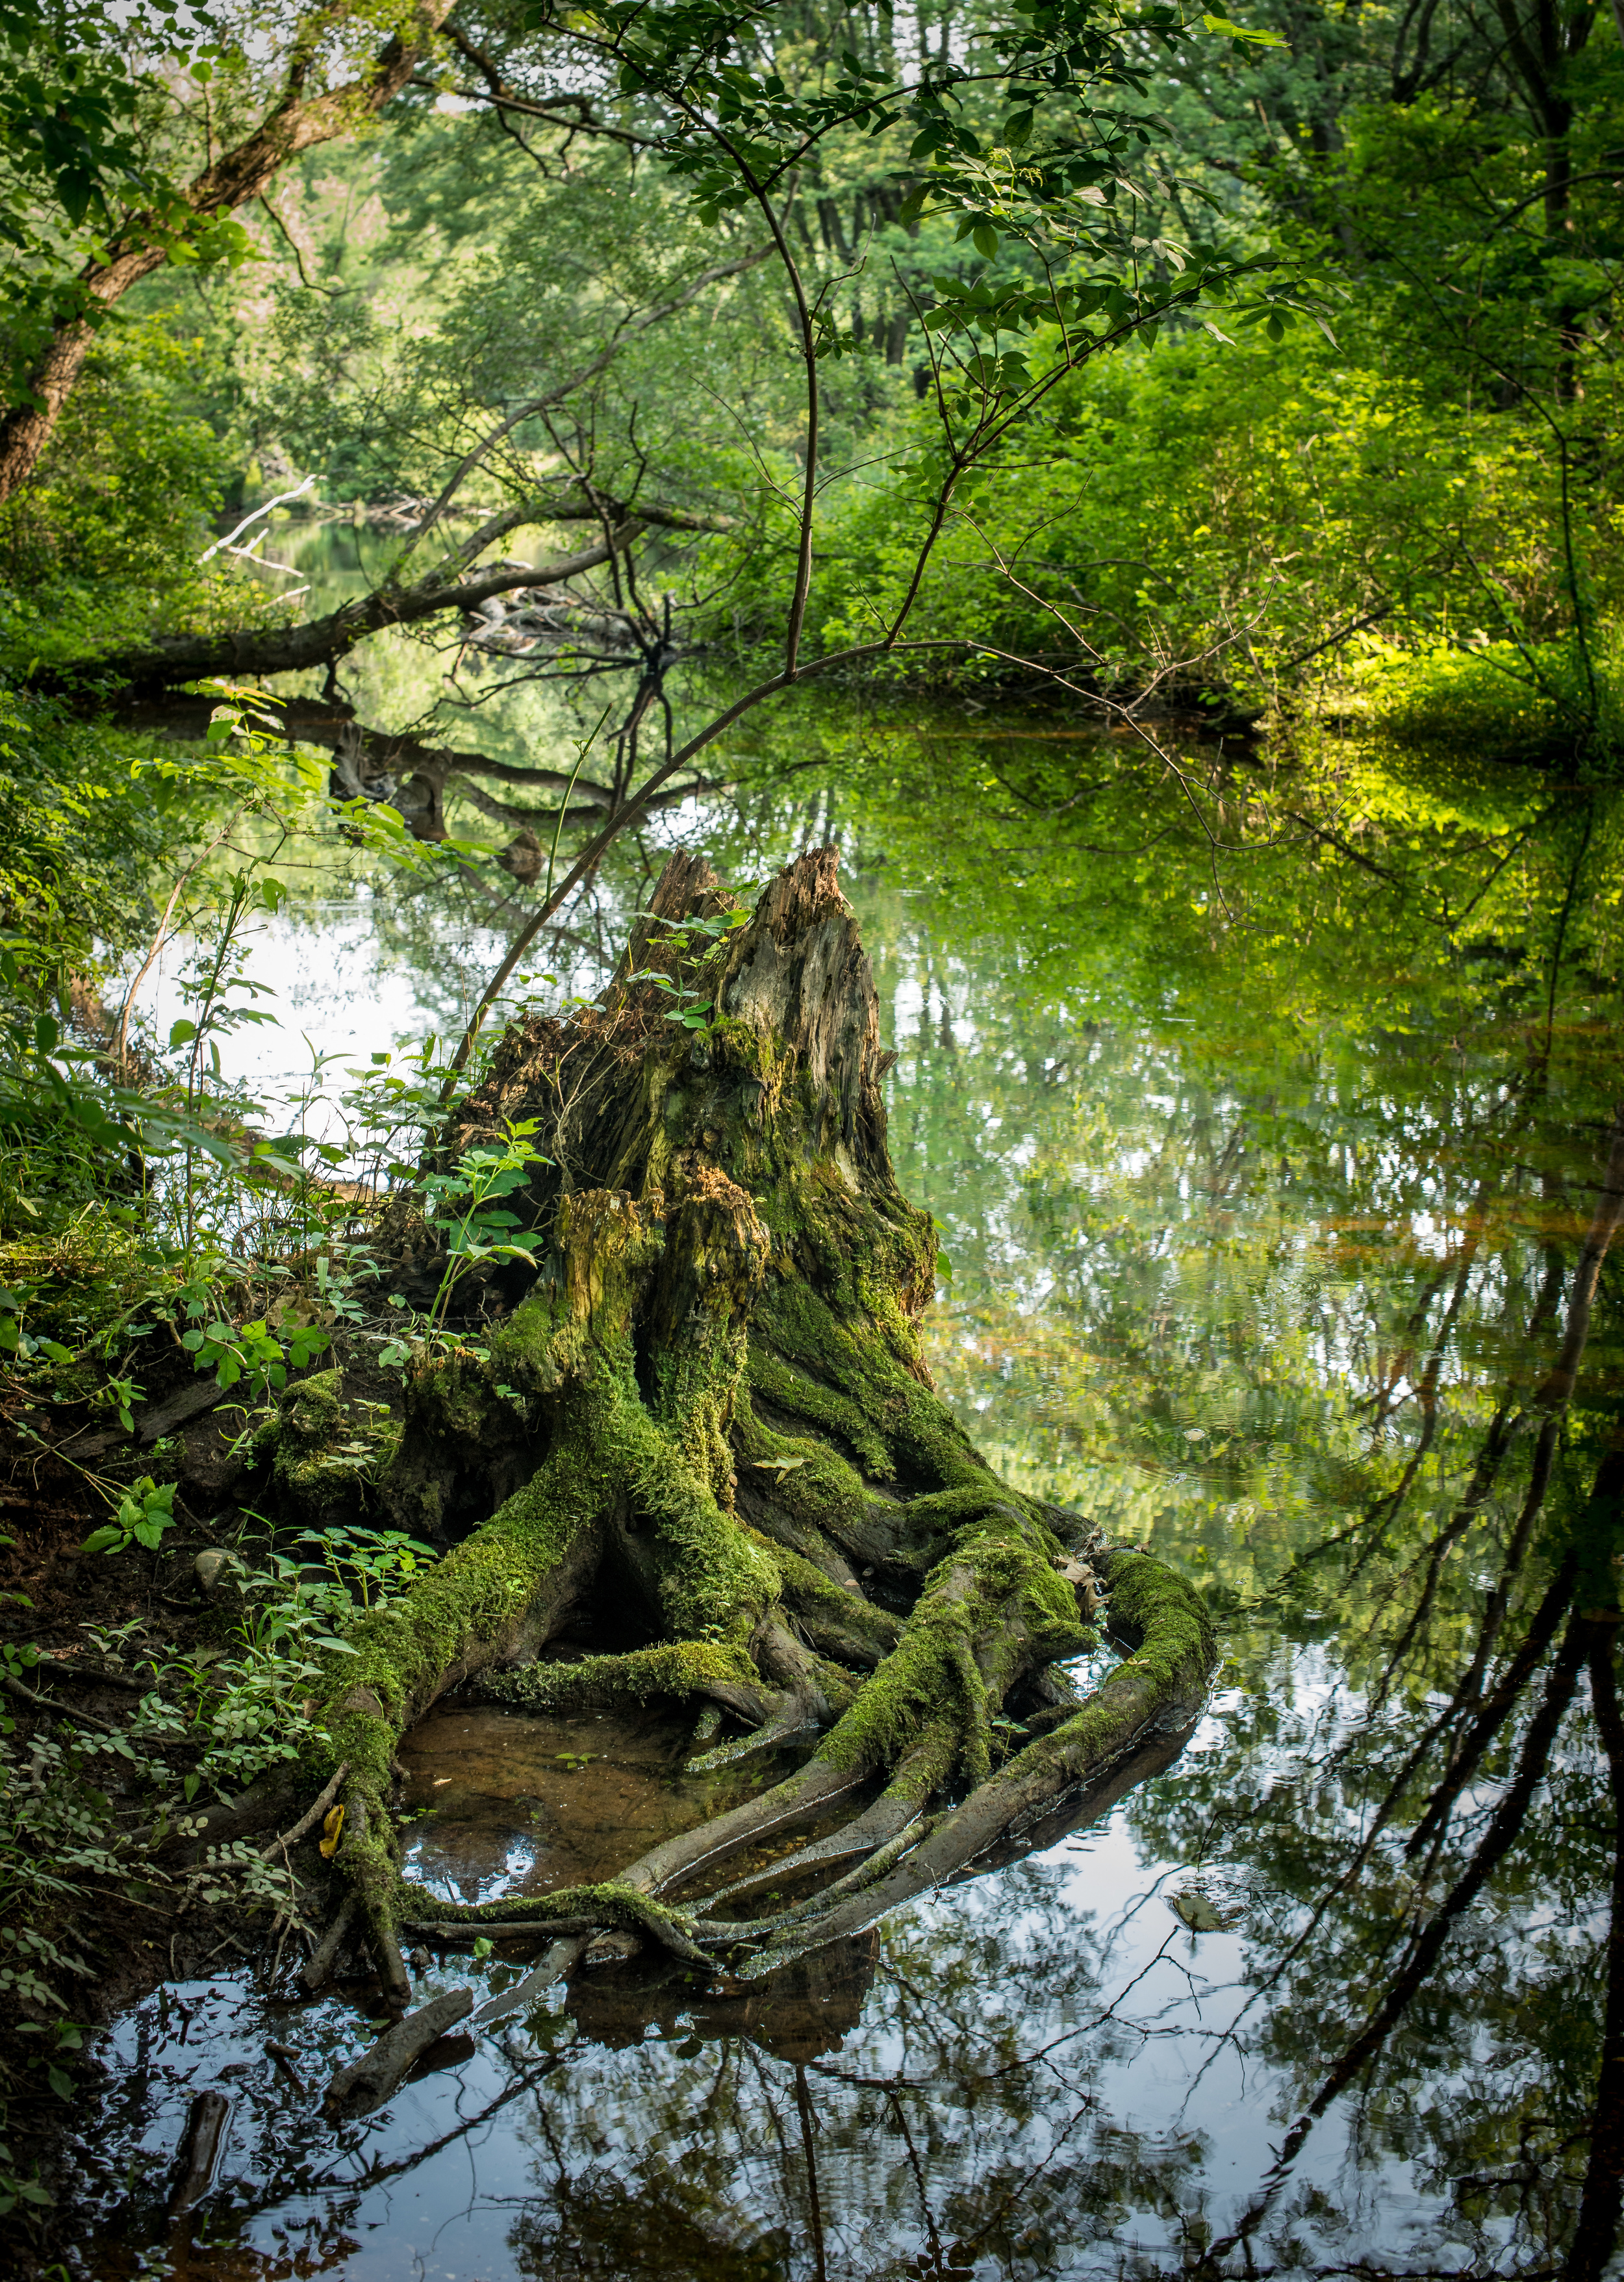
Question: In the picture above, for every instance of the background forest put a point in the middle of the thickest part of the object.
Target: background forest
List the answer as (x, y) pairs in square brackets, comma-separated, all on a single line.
[(1147, 486)]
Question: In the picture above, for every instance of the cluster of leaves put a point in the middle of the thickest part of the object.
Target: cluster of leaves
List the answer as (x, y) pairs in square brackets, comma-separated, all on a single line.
[(465, 1208), (688, 1010), (145, 1511), (1048, 186), (78, 166)]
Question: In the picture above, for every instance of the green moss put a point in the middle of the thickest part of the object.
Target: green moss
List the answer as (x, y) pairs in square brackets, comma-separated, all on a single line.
[(820, 1404), (449, 1395), (609, 1905), (714, 1582), (921, 1679), (843, 1376), (819, 1489), (993, 1609), (367, 1852), (80, 1280), (322, 1451), (1169, 1667), (474, 1599), (811, 1591), (1177, 1638), (929, 1765), (678, 1669), (532, 1349)]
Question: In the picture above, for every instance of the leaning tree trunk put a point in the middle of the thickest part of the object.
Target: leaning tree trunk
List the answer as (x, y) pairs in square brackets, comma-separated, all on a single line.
[(729, 1443)]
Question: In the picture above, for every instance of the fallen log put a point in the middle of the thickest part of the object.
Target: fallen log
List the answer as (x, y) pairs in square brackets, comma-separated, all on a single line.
[(199, 2151)]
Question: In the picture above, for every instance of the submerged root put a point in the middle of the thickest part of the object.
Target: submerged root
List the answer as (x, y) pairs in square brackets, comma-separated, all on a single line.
[(900, 1807), (570, 1909), (1159, 1686)]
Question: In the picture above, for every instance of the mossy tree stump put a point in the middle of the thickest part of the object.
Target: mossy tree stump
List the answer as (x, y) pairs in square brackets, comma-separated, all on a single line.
[(717, 1433)]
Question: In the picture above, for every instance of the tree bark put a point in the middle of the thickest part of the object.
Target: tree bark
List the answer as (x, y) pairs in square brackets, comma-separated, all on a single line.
[(729, 1438), (414, 776)]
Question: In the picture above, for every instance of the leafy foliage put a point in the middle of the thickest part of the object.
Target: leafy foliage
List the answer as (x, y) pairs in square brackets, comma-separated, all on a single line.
[(145, 1511)]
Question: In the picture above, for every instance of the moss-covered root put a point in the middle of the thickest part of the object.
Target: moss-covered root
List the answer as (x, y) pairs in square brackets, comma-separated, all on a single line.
[(995, 1610), (900, 1807), (631, 1901), (499, 1595), (1160, 1684), (614, 1906), (655, 1475)]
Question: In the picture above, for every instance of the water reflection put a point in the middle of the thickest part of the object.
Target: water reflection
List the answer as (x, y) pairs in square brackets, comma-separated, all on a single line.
[(1333, 1992)]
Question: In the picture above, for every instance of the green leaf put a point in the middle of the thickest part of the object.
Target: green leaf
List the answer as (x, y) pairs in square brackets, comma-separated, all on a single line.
[(103, 1540), (1240, 31)]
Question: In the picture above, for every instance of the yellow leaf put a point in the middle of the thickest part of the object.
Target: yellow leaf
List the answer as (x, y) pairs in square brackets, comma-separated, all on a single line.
[(330, 1829)]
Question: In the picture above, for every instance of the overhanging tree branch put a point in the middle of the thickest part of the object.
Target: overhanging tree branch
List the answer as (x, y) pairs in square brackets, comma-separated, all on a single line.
[(296, 122), (323, 641), (532, 408)]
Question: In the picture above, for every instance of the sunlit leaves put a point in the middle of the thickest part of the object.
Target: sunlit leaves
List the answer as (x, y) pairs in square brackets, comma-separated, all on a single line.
[(733, 130)]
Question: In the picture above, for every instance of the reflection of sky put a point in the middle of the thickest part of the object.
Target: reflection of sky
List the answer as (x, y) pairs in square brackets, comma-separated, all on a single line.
[(432, 1859), (340, 991), (1060, 2043), (336, 991)]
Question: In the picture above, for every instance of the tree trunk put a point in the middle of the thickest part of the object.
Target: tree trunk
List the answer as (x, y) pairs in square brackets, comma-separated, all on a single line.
[(413, 777), (170, 660), (717, 1433)]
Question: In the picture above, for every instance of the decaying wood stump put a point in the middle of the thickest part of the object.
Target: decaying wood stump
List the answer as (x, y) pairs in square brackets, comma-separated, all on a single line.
[(715, 1432)]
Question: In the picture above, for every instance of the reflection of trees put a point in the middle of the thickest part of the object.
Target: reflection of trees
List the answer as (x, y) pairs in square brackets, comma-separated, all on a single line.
[(1444, 1885), (1434, 1845), (959, 2121)]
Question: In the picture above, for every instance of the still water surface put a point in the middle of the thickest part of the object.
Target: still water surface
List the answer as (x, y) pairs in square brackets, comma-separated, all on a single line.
[(1283, 1312)]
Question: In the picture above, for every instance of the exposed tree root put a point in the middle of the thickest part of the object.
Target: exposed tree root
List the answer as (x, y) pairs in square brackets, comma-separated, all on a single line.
[(730, 1445), (366, 2082)]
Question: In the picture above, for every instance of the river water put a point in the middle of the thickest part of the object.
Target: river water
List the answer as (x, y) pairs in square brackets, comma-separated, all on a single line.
[(1261, 1277)]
